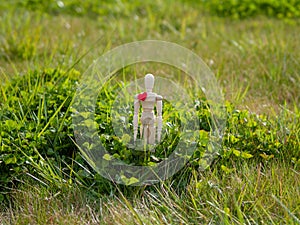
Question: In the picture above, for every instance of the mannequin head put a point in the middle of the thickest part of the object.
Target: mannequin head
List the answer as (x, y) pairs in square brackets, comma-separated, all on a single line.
[(149, 82)]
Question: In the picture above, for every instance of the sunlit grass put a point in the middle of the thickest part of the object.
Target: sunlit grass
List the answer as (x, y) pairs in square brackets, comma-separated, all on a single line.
[(255, 59), (257, 63), (244, 196)]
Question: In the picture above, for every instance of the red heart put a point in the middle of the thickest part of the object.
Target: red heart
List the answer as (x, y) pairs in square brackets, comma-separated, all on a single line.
[(142, 96)]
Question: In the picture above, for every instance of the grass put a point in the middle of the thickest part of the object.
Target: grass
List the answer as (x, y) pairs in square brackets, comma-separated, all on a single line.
[(256, 62), (249, 194), (249, 57)]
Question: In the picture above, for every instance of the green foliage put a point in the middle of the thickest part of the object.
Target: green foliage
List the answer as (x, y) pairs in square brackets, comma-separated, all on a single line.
[(35, 120), (36, 131), (250, 135), (247, 8)]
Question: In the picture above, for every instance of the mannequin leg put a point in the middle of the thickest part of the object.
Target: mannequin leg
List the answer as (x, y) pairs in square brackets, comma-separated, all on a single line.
[(146, 133), (151, 139)]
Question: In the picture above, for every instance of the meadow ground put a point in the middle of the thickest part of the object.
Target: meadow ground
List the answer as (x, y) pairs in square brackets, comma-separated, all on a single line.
[(256, 61)]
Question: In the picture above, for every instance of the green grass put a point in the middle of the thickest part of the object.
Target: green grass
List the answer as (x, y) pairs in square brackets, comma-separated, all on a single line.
[(249, 194), (257, 63), (250, 57)]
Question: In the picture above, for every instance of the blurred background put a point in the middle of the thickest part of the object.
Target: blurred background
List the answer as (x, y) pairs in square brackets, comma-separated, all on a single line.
[(251, 46)]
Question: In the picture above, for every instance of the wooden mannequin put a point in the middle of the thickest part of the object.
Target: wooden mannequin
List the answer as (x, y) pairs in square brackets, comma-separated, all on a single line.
[(148, 120)]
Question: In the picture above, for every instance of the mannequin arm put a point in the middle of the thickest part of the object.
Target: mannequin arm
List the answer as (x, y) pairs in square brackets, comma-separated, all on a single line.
[(136, 118), (159, 118)]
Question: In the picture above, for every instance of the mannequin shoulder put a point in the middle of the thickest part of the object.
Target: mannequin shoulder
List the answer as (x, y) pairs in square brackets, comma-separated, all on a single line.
[(159, 98)]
